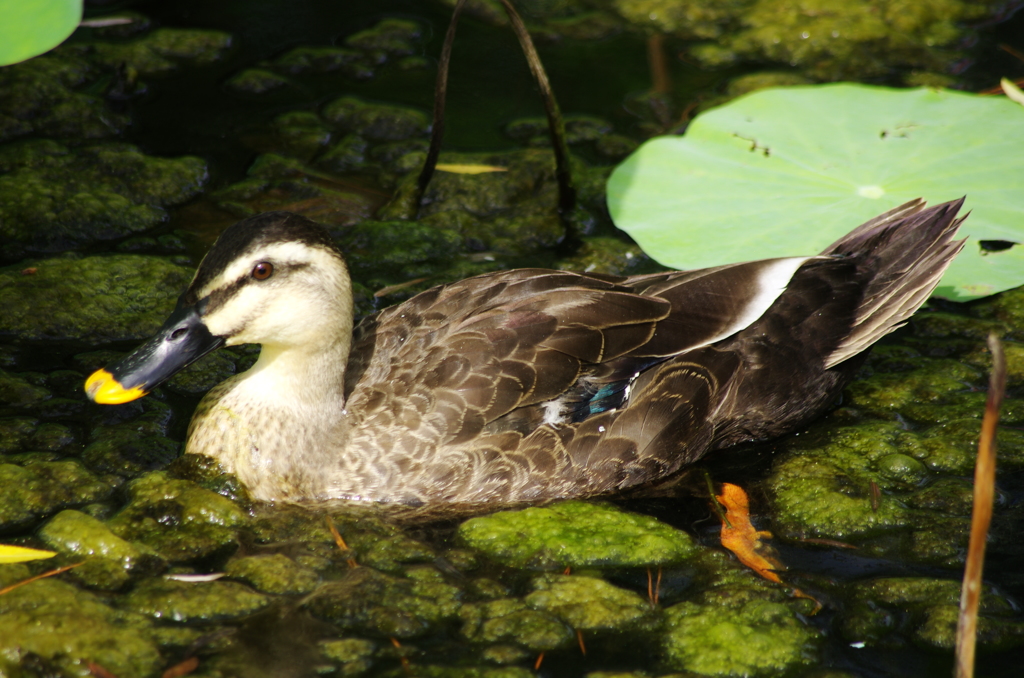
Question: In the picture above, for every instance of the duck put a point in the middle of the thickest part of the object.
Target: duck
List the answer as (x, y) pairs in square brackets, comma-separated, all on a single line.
[(520, 385)]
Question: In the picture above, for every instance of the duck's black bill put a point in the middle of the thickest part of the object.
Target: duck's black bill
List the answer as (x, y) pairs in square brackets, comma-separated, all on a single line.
[(181, 341)]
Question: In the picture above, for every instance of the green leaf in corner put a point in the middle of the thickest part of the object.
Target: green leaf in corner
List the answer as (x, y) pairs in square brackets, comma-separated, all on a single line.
[(784, 172), (20, 554), (30, 27)]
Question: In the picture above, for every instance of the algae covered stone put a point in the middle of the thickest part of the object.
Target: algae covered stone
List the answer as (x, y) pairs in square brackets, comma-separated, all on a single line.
[(274, 573), (737, 635), (509, 620), (891, 612), (35, 489), (54, 198), (194, 602), (371, 601), (95, 299), (67, 628), (177, 519), (109, 561), (576, 534), (588, 603)]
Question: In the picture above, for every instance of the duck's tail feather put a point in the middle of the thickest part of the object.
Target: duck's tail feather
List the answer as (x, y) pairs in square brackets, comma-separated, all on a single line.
[(909, 248)]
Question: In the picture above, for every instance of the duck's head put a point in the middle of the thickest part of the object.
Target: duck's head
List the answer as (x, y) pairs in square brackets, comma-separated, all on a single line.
[(275, 279)]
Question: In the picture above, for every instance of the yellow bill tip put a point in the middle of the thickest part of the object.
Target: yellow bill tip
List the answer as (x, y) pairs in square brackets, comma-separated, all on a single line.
[(104, 389)]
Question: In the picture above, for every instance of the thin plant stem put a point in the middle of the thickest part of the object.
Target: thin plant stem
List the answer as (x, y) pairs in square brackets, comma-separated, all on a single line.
[(556, 127), (981, 517)]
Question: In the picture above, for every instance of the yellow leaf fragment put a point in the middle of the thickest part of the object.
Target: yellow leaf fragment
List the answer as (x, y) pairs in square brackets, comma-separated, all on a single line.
[(20, 554), (1011, 90), (456, 168)]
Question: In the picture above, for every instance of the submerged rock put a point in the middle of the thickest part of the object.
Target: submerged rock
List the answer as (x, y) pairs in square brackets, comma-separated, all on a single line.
[(576, 534), (35, 489), (177, 519), (40, 97), (53, 198), (369, 601), (738, 625), (195, 602), (109, 561), (277, 574), (163, 50), (892, 612), (508, 620), (588, 603), (54, 624), (96, 299)]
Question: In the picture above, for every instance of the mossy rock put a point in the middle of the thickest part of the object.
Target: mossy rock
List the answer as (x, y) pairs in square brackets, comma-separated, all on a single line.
[(366, 600), (178, 520), (35, 489), (305, 59), (96, 299), (588, 603), (510, 621), (66, 628), (576, 534), (53, 198), (893, 612), (164, 50), (376, 122), (737, 636), (195, 602), (255, 81), (40, 98), (109, 561), (276, 574)]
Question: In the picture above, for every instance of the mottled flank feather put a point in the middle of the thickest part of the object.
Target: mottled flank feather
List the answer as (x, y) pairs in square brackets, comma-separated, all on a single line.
[(534, 384)]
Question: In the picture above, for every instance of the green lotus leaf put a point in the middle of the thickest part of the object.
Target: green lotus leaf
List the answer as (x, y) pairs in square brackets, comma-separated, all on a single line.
[(787, 171), (31, 27)]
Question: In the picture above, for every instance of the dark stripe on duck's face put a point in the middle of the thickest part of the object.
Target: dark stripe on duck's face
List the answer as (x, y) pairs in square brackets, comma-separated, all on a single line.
[(254, 233), (220, 296)]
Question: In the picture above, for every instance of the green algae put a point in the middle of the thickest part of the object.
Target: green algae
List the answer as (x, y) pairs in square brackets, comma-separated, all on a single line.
[(177, 519), (194, 602), (354, 655), (369, 601), (36, 488), (732, 609), (162, 51), (376, 122), (95, 299), (68, 628), (508, 620), (588, 603), (255, 81), (15, 391), (576, 534), (109, 561), (278, 182), (276, 574), (894, 612), (828, 40), (54, 198), (41, 98)]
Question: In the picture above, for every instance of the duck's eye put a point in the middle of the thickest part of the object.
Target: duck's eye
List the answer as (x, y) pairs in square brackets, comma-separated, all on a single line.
[(263, 270)]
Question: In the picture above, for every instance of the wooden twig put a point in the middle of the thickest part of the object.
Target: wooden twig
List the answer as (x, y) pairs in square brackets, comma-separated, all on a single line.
[(981, 516), (440, 95), (49, 573)]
